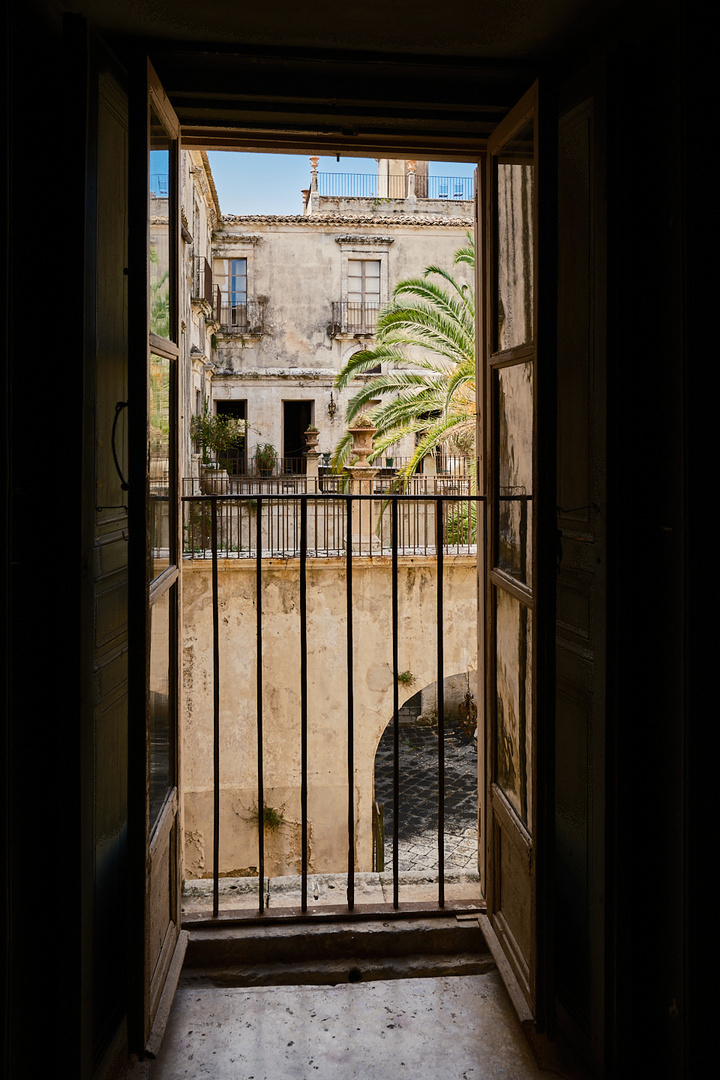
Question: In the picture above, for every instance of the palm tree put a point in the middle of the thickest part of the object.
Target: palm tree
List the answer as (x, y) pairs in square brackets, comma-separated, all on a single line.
[(426, 339)]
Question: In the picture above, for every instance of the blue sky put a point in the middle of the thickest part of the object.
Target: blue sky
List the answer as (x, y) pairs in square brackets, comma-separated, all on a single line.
[(271, 183)]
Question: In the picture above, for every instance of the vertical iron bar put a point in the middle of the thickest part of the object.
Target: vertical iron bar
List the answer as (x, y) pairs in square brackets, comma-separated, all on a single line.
[(396, 706), (259, 702), (303, 697), (440, 704), (350, 711), (216, 711)]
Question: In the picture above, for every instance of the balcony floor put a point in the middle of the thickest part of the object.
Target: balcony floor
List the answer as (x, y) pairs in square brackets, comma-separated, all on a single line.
[(445, 1028)]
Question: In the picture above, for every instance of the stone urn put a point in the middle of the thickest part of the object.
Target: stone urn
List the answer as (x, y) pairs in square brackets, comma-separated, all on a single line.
[(312, 436), (214, 480), (362, 440)]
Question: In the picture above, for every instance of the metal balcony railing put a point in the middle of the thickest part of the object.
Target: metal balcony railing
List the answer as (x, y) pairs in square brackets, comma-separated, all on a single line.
[(349, 317), (247, 317), (278, 500), (450, 187), (202, 283), (159, 185), (360, 185), (305, 525), (395, 186)]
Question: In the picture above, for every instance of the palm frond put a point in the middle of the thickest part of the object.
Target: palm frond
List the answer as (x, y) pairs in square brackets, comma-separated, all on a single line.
[(425, 342)]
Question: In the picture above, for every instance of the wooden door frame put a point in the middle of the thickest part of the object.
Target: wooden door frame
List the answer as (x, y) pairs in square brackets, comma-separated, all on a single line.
[(535, 1002), (144, 1001), (545, 510)]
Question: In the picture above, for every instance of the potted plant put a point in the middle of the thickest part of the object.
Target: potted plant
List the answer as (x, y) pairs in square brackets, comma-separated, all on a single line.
[(265, 458), (216, 433)]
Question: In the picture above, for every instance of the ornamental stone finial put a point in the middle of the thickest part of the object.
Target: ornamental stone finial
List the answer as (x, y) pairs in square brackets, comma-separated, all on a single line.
[(314, 162)]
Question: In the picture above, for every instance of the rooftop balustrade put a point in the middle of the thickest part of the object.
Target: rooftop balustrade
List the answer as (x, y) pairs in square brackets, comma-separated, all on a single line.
[(372, 186)]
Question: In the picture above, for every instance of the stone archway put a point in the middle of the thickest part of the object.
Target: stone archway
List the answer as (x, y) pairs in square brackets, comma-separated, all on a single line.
[(418, 798)]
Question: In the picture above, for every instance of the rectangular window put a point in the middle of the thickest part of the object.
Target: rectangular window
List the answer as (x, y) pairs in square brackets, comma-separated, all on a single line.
[(363, 295), (238, 292)]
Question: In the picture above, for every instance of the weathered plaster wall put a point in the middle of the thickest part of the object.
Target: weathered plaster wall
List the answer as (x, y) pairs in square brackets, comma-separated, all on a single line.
[(297, 268), (200, 212), (327, 698)]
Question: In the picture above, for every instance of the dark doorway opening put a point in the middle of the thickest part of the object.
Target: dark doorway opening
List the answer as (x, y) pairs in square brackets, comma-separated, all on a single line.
[(235, 457), (297, 418)]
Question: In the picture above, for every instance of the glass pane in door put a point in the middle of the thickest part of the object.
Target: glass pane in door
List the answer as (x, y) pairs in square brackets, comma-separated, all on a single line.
[(162, 552), (159, 222), (514, 470), (514, 240), (160, 708), (513, 684)]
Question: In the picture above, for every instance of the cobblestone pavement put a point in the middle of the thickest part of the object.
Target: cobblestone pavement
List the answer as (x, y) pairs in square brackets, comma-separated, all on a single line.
[(418, 849)]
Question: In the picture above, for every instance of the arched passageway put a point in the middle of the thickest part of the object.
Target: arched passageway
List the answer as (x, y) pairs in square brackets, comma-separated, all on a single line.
[(418, 796)]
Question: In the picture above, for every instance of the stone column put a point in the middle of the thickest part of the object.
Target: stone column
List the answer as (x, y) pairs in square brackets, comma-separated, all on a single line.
[(312, 472), (362, 477), (312, 459), (429, 465), (411, 196), (362, 482), (314, 196)]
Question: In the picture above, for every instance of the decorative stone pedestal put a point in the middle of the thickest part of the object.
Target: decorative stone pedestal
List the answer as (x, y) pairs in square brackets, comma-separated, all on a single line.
[(312, 462), (362, 476), (365, 513), (312, 459)]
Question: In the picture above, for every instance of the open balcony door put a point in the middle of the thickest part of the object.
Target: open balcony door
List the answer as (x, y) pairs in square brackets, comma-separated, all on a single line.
[(515, 381), (156, 941)]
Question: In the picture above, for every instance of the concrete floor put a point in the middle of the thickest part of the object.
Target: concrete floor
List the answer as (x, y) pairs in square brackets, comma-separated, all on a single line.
[(445, 1028)]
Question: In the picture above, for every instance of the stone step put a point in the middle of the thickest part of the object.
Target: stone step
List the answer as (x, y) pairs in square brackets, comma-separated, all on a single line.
[(297, 943), (334, 972)]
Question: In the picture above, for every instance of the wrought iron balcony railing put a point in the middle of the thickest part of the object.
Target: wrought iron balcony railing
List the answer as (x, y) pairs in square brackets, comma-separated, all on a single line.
[(342, 525), (349, 317), (371, 186), (159, 185), (414, 531), (247, 317)]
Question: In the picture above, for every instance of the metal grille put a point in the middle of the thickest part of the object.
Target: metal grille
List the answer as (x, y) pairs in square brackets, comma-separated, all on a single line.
[(354, 317), (343, 511)]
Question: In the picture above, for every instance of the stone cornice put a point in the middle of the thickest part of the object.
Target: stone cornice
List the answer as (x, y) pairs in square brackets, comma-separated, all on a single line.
[(351, 238), (278, 374), (211, 183), (377, 221), (237, 238)]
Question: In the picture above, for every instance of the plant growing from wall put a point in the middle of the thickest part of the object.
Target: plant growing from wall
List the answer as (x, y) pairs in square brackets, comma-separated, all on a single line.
[(272, 817), (406, 678)]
